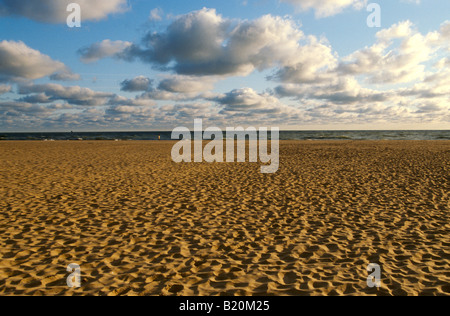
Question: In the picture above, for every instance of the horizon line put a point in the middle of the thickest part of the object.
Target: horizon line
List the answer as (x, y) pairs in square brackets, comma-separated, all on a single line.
[(170, 131)]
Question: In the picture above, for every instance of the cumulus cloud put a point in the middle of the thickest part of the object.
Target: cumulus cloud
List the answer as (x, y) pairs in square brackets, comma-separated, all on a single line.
[(155, 14), (118, 100), (430, 108), (185, 112), (161, 117), (313, 63), (383, 63), (139, 83), (399, 55), (163, 95), (36, 98), (105, 48), (249, 108), (434, 88), (445, 30), (75, 95), (186, 84), (203, 43), (65, 76), (5, 89), (246, 99), (341, 90), (56, 95), (196, 36), (18, 61), (198, 49), (22, 109), (325, 8), (399, 30), (55, 11)]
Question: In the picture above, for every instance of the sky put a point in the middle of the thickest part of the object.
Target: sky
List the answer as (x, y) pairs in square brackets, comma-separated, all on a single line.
[(141, 65)]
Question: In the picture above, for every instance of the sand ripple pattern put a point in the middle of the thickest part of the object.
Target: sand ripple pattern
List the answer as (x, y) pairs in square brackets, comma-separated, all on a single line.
[(139, 224)]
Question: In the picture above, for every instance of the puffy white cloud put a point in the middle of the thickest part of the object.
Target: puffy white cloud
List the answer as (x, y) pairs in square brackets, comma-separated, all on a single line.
[(248, 107), (18, 61), (264, 43), (65, 76), (400, 55), (36, 98), (445, 30), (431, 108), (118, 100), (159, 118), (313, 62), (155, 14), (198, 49), (75, 95), (325, 8), (163, 95), (341, 90), (434, 86), (443, 63), (55, 11), (194, 37), (399, 30), (382, 63), (140, 83), (363, 114), (203, 43), (54, 94), (5, 88), (105, 48), (22, 109), (246, 99), (186, 84), (172, 88)]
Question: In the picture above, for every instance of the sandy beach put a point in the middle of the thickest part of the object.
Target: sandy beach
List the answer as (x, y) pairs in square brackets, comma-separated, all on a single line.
[(139, 224)]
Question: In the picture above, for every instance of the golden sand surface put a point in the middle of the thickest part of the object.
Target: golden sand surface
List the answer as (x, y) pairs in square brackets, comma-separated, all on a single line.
[(139, 224)]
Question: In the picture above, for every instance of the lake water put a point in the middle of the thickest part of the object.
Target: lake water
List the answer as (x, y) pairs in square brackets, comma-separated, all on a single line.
[(284, 135)]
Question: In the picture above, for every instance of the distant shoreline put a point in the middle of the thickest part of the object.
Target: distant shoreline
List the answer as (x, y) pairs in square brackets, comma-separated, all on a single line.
[(284, 135)]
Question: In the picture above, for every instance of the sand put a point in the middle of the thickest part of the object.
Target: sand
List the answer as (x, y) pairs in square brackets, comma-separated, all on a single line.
[(139, 224)]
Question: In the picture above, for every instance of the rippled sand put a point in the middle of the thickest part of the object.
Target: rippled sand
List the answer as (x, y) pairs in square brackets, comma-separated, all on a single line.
[(139, 224)]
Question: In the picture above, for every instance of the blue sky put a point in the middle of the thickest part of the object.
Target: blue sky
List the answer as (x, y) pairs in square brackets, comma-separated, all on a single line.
[(156, 65)]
